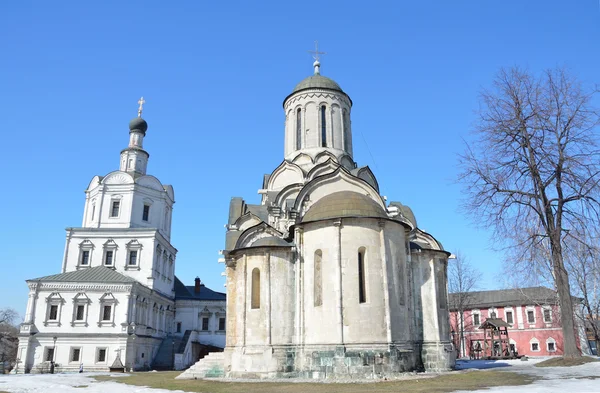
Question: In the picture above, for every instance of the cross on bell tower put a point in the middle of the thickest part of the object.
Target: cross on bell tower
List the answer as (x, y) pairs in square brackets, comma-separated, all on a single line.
[(316, 56)]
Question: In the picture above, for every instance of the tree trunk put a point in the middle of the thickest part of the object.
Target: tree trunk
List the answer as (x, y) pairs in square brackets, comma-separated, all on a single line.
[(570, 349)]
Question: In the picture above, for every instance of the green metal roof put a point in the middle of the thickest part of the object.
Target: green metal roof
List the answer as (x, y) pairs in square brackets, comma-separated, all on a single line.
[(317, 82), (93, 274), (344, 204)]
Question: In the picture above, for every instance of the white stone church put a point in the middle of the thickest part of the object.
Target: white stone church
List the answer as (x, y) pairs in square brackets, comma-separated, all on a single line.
[(324, 279), (117, 301)]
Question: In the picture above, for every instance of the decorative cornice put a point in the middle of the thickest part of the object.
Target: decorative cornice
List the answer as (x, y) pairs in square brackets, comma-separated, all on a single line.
[(57, 286)]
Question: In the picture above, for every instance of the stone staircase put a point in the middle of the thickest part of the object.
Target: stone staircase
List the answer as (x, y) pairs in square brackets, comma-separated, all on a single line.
[(166, 353), (211, 366)]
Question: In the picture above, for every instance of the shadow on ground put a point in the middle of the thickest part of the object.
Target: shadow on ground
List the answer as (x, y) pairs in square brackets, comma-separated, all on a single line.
[(480, 364)]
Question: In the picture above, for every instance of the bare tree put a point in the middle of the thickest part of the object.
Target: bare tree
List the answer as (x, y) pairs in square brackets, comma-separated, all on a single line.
[(462, 281), (533, 170), (8, 336)]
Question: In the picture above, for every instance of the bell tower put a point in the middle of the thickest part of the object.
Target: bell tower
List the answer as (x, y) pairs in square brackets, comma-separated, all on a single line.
[(318, 118)]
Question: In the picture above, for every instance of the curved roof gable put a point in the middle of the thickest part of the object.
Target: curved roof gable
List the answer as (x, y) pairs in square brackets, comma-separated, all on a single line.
[(344, 204)]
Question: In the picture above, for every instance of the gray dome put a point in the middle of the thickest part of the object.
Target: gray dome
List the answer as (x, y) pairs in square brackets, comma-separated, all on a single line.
[(138, 124), (270, 241), (344, 204), (317, 82)]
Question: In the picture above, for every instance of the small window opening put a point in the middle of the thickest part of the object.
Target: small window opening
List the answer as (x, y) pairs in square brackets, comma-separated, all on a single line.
[(101, 355), (547, 316), (255, 301), (178, 327), (323, 127), (318, 278), (221, 324), (146, 213), (299, 129), (362, 293), (75, 354), (205, 323), (108, 258), (509, 317), (53, 313), (530, 316), (476, 320), (133, 257), (85, 257), (115, 209), (80, 313), (106, 311)]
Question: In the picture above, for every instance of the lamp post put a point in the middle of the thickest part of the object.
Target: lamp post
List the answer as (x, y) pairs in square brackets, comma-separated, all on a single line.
[(53, 355)]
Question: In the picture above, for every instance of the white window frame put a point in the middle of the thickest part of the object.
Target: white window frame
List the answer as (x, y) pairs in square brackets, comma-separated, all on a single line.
[(113, 199), (147, 202), (96, 356), (220, 314), (81, 299), (109, 245), (473, 313), (506, 311), (534, 341), (527, 309), (493, 310), (54, 299), (72, 351), (206, 313), (108, 299), (85, 245), (134, 245), (48, 349), (549, 309), (549, 341)]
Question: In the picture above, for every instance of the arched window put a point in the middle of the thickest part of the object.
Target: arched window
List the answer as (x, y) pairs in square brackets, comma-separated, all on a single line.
[(346, 121), (255, 301), (362, 288), (323, 127), (299, 129), (318, 284)]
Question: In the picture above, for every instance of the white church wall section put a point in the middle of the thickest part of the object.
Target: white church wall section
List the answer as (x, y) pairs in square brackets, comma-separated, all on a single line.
[(143, 255)]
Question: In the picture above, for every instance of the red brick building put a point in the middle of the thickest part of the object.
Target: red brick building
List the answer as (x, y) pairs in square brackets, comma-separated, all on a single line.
[(532, 314)]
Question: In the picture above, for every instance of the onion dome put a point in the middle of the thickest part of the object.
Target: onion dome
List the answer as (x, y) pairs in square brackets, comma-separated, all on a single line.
[(138, 125)]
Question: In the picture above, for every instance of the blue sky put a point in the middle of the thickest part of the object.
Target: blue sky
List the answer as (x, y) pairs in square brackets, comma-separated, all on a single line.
[(214, 75)]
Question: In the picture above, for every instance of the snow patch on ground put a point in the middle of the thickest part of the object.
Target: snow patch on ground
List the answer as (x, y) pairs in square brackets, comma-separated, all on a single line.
[(69, 383)]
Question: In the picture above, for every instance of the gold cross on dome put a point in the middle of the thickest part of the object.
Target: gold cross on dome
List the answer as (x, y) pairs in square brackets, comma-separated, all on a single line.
[(316, 52), (140, 109)]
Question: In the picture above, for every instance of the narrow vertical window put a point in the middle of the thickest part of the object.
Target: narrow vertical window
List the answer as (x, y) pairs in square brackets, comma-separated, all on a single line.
[(85, 257), (362, 292), (106, 313), (101, 355), (115, 209), (346, 121), (53, 313), (93, 211), (146, 213), (255, 301), (80, 313), (133, 257), (318, 280), (299, 129), (323, 127), (108, 258), (205, 323), (178, 327), (509, 317), (221, 324)]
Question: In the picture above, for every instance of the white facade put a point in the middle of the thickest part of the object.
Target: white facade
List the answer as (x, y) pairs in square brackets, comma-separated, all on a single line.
[(116, 294)]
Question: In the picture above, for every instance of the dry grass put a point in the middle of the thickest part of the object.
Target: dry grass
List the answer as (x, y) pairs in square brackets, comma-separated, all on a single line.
[(566, 362), (471, 380)]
